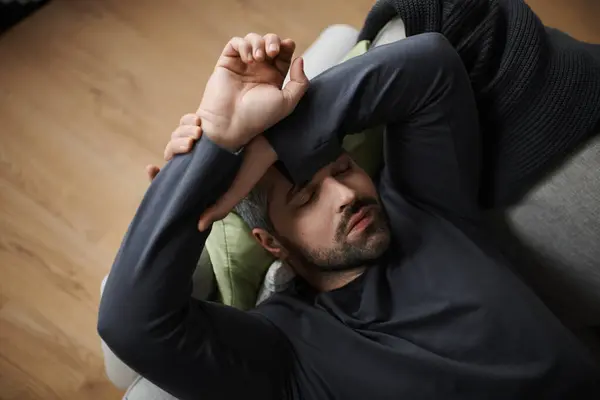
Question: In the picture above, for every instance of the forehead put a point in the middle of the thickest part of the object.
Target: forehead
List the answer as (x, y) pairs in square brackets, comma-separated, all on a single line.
[(277, 185)]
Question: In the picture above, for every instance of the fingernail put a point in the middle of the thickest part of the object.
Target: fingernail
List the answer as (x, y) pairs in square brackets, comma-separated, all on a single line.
[(273, 47), (250, 58), (259, 54)]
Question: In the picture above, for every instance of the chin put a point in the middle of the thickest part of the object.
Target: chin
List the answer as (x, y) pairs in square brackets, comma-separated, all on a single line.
[(374, 241), (378, 243), (362, 250)]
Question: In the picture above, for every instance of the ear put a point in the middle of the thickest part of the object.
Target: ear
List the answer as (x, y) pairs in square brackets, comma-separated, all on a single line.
[(270, 243)]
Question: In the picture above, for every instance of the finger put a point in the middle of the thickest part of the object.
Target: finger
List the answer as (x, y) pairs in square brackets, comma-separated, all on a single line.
[(178, 146), (238, 47), (297, 86), (190, 119), (152, 171), (272, 44), (187, 131), (258, 157), (284, 58), (258, 46)]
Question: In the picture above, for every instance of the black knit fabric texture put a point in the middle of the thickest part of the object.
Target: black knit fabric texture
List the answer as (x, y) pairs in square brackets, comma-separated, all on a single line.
[(537, 89)]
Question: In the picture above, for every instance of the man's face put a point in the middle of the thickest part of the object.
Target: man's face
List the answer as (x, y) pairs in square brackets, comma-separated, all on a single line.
[(335, 222)]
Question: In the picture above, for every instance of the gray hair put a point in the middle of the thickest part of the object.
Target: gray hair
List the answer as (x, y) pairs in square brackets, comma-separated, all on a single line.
[(254, 210)]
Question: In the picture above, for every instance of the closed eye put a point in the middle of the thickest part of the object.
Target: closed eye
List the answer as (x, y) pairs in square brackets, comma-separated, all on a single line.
[(309, 193), (306, 198), (345, 167)]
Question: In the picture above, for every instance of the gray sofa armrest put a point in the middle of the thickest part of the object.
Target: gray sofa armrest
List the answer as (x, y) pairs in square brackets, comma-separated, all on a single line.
[(553, 238), (143, 389)]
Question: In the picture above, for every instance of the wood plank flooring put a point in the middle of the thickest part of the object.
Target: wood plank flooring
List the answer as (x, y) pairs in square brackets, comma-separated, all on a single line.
[(89, 92)]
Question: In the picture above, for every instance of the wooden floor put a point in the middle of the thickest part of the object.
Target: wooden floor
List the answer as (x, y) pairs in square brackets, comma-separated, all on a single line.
[(89, 92)]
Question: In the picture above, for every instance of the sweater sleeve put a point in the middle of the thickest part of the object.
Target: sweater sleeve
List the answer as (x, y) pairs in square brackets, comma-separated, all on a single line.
[(189, 348), (419, 90)]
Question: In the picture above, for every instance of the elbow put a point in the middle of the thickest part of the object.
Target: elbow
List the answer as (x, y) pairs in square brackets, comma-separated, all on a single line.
[(116, 332), (126, 333), (436, 48), (107, 329), (115, 324), (122, 342), (111, 332), (434, 41), (444, 67), (121, 351)]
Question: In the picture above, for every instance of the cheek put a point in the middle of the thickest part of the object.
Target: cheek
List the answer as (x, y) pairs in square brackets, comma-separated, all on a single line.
[(315, 228), (362, 184)]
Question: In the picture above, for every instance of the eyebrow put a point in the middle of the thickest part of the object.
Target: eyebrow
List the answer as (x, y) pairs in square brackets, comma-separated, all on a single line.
[(295, 189), (292, 192), (270, 192)]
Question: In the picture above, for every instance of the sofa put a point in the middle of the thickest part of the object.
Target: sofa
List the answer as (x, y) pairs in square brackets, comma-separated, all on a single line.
[(552, 236)]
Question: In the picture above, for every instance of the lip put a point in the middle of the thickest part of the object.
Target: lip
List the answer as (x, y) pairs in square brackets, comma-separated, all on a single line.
[(358, 217)]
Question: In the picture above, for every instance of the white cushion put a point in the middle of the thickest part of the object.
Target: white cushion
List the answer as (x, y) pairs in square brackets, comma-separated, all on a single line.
[(143, 389), (119, 374)]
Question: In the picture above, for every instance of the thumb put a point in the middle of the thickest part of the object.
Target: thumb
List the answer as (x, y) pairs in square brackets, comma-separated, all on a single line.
[(297, 86), (258, 157), (152, 171)]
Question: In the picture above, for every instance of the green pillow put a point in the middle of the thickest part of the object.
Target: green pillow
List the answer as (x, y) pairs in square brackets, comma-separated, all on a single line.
[(239, 262)]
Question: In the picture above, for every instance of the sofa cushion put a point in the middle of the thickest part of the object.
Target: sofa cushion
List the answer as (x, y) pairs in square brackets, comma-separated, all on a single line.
[(553, 237), (143, 389), (204, 278), (239, 262)]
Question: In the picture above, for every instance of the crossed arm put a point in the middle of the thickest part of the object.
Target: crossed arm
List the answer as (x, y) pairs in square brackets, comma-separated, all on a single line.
[(192, 348), (419, 90)]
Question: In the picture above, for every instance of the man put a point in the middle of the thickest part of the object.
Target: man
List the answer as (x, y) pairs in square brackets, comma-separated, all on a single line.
[(401, 294)]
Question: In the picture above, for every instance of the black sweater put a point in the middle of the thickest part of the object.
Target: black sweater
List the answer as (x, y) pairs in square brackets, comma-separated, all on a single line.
[(537, 89), (440, 316)]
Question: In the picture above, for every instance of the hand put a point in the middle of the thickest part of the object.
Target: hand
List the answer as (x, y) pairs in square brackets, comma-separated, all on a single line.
[(182, 141), (243, 96)]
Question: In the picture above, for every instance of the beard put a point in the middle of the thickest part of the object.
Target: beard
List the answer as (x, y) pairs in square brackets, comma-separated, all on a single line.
[(349, 253)]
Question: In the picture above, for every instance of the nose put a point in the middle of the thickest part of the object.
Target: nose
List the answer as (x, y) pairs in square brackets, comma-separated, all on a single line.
[(341, 194)]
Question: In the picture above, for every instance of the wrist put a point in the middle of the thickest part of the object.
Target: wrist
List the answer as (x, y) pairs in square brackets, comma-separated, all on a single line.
[(220, 140), (217, 129)]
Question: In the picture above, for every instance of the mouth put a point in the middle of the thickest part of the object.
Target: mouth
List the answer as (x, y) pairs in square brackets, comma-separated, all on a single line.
[(361, 220)]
